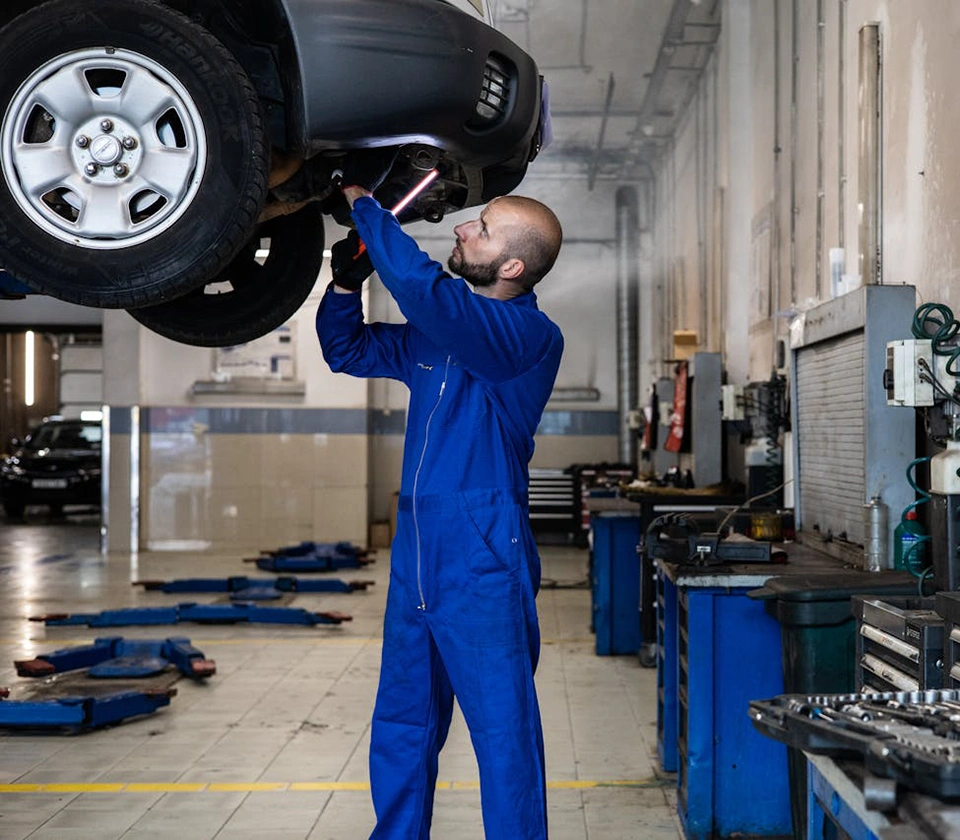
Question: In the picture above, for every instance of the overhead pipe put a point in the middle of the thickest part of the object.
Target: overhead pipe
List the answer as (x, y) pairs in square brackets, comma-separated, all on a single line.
[(702, 189), (775, 256), (794, 137), (869, 181), (842, 124), (821, 51), (595, 163), (672, 35), (628, 292)]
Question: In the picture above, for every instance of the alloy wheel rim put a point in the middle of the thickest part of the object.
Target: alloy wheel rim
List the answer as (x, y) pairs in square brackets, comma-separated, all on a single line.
[(103, 148)]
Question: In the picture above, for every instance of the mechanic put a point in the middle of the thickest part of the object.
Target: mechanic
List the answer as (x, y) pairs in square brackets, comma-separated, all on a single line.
[(461, 615)]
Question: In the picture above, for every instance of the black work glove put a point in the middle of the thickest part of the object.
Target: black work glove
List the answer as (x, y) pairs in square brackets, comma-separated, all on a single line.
[(350, 262), (368, 168)]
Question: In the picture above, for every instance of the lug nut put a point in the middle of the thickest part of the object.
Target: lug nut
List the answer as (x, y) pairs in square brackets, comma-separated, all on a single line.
[(91, 169), (106, 125), (129, 143), (83, 141), (120, 170)]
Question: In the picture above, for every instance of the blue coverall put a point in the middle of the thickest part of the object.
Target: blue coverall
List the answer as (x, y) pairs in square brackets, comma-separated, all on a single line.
[(461, 614)]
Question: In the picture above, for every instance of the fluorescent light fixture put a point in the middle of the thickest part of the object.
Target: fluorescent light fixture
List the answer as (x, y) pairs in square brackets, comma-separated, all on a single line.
[(29, 368), (91, 415)]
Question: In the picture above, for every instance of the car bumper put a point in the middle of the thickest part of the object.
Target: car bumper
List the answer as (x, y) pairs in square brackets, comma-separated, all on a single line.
[(76, 491), (386, 72)]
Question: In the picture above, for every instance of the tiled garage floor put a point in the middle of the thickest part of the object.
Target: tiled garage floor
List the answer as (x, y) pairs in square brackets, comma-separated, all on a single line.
[(274, 745)]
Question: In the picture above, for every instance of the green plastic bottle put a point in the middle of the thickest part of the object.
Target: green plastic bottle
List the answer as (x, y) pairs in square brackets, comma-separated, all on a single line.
[(906, 535)]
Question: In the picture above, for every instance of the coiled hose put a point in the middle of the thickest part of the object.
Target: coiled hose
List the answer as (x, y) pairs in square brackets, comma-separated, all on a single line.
[(936, 322)]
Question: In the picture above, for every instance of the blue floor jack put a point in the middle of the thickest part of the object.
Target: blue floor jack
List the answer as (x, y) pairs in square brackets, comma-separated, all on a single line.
[(114, 657), (312, 557), (200, 613), (254, 589)]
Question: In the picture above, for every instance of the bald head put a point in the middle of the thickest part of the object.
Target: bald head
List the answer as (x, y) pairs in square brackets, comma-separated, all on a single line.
[(535, 236)]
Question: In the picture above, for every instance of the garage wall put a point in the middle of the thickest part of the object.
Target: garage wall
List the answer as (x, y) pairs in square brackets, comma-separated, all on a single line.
[(231, 471), (786, 180), (756, 187)]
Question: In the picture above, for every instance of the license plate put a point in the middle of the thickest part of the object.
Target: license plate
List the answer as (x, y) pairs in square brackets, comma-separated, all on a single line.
[(49, 483)]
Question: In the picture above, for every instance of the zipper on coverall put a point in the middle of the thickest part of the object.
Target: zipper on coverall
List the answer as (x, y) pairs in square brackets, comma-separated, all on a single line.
[(416, 479)]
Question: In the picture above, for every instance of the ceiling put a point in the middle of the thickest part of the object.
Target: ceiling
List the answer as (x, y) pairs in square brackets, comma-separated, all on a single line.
[(620, 74)]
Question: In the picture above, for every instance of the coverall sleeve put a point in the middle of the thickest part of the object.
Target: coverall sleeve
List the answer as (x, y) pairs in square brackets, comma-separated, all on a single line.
[(492, 339), (351, 346)]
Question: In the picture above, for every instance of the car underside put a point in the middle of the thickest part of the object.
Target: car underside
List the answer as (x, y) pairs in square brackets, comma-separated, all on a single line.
[(177, 159)]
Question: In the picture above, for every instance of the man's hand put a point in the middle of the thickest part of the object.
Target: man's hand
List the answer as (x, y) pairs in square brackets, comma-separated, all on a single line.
[(368, 168), (350, 262)]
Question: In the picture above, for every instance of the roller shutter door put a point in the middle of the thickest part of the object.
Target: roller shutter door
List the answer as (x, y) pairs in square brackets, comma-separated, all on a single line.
[(831, 435)]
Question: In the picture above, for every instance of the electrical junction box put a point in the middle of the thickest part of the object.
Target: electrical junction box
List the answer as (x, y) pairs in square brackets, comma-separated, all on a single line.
[(732, 402), (906, 361)]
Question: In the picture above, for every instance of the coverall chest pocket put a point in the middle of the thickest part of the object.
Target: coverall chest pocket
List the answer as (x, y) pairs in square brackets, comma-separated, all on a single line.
[(493, 544)]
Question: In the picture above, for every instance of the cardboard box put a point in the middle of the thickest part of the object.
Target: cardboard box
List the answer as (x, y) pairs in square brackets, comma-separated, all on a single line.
[(380, 535), (684, 344)]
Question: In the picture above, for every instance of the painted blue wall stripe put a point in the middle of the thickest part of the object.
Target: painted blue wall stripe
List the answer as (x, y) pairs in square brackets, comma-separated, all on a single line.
[(579, 423), (333, 421)]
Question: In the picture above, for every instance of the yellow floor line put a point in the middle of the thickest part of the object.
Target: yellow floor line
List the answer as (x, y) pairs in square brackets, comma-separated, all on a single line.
[(258, 787)]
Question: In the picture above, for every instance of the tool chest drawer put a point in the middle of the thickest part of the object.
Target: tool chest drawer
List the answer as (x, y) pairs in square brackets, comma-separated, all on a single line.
[(899, 643), (947, 605), (554, 497)]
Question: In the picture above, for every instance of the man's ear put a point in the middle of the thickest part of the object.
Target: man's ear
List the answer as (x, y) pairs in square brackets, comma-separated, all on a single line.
[(511, 269)]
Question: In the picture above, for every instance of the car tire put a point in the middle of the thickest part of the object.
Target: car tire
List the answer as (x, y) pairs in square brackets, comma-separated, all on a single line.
[(133, 148), (248, 299)]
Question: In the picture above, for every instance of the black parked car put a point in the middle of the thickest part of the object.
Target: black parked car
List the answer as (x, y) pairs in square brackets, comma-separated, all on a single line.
[(176, 157), (58, 464)]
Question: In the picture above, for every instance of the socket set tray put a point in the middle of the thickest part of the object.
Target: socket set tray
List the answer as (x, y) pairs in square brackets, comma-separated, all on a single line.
[(912, 737)]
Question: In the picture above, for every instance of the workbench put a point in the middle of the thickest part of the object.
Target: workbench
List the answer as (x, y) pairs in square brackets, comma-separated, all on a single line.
[(614, 575), (656, 501), (717, 649), (624, 613), (837, 806)]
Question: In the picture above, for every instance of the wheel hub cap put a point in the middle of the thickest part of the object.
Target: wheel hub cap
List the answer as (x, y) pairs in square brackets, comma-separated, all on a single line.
[(106, 150)]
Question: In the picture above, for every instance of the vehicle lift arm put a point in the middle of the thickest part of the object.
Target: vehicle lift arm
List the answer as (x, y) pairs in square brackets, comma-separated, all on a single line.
[(245, 588), (116, 657), (312, 557), (200, 613), (82, 711)]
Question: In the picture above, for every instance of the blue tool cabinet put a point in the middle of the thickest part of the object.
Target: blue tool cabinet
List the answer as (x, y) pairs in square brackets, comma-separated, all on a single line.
[(615, 579), (717, 650), (666, 673)]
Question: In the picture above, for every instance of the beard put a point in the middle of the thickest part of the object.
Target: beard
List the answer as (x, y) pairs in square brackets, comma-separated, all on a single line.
[(476, 274)]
